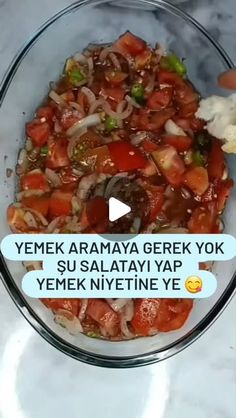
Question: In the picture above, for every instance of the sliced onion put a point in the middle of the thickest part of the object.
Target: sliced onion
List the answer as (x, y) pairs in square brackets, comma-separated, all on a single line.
[(77, 107), (139, 137), (76, 205), (57, 127), (22, 162), (33, 155), (82, 312), (56, 98), (89, 94), (129, 310), (95, 105), (132, 101), (115, 61), (73, 325), (185, 193), (88, 121), (80, 58), (105, 52), (110, 185), (29, 193), (32, 265), (117, 304), (85, 185), (53, 177), (225, 174), (30, 220), (28, 145), (53, 224), (90, 65), (172, 129), (39, 215), (123, 115), (125, 329), (136, 225), (151, 84), (73, 141)]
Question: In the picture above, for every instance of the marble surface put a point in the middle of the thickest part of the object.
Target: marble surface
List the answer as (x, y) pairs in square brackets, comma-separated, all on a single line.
[(37, 381)]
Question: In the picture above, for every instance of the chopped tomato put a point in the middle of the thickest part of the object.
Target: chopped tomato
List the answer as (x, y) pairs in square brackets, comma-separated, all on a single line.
[(114, 93), (39, 203), (143, 59), (183, 123), (170, 164), (196, 179), (34, 180), (68, 117), (216, 161), (223, 190), (172, 314), (46, 112), (197, 125), (17, 223), (169, 77), (82, 100), (152, 121), (57, 153), (203, 219), (189, 109), (115, 77), (149, 146), (156, 199), (150, 169), (68, 96), (96, 211), (70, 305), (185, 93), (38, 132), (60, 204), (160, 99), (130, 44), (126, 157), (151, 315), (68, 176), (101, 312), (145, 314), (179, 142), (100, 160)]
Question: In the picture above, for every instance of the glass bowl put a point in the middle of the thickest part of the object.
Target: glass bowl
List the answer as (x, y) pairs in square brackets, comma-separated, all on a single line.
[(25, 85)]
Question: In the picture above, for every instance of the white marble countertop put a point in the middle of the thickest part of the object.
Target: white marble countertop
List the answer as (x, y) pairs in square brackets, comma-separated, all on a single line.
[(37, 381)]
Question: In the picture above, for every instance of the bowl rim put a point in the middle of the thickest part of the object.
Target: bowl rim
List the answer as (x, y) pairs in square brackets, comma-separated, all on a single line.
[(18, 298)]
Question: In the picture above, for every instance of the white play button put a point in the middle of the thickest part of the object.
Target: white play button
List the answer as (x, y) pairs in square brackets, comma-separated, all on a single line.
[(117, 209)]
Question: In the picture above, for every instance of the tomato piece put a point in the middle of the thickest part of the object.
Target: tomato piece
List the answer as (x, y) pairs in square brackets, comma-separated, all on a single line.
[(150, 169), (101, 312), (216, 161), (130, 44), (169, 77), (68, 117), (38, 132), (149, 146), (143, 59), (70, 305), (126, 157), (156, 200), (34, 180), (17, 223), (160, 99), (99, 159), (39, 203), (183, 123), (82, 100), (114, 93), (96, 211), (170, 164), (115, 77), (197, 180), (60, 204), (197, 125), (185, 93), (203, 219), (188, 109), (172, 314), (223, 191), (145, 313), (179, 142), (68, 176), (46, 112), (57, 153), (152, 121)]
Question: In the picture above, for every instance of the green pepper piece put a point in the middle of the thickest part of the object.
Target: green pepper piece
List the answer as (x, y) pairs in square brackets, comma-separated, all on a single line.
[(137, 92), (177, 65), (198, 159), (75, 77), (92, 334), (44, 151), (110, 124)]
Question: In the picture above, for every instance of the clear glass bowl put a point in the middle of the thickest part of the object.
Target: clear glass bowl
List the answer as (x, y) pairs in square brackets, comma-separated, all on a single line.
[(22, 89)]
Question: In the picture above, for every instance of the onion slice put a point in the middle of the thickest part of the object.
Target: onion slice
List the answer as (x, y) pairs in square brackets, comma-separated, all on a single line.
[(88, 121), (89, 94), (172, 129), (123, 115), (56, 98)]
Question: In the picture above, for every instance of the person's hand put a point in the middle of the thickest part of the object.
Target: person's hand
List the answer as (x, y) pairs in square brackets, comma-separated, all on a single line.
[(227, 80)]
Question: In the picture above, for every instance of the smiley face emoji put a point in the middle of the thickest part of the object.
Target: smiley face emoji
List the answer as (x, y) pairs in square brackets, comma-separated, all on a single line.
[(193, 284)]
